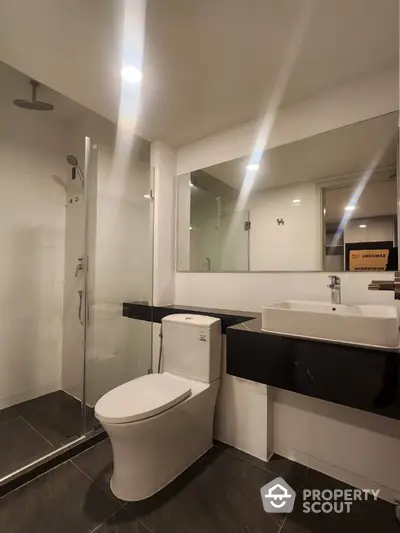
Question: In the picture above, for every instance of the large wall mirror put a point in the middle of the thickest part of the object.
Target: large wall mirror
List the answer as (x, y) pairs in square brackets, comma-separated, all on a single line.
[(324, 203)]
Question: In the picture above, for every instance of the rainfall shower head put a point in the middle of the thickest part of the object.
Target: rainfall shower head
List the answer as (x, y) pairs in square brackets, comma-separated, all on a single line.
[(33, 104), (73, 161)]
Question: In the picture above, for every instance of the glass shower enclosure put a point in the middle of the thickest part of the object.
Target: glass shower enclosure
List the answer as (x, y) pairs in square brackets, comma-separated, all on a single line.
[(76, 239), (119, 268)]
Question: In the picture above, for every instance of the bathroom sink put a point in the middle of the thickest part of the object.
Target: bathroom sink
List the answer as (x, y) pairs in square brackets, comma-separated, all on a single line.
[(366, 325)]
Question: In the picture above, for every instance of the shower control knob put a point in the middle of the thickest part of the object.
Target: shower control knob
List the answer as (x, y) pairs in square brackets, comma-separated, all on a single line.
[(79, 266)]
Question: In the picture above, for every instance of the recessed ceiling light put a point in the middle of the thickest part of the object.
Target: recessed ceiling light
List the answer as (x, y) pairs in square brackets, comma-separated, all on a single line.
[(253, 166), (296, 201), (362, 226), (349, 207), (131, 74)]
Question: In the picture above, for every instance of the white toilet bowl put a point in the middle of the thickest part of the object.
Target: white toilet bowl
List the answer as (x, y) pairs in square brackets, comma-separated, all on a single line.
[(169, 430), (160, 424)]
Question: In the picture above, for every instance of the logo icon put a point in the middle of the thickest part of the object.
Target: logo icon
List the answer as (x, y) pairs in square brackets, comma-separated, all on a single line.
[(277, 496)]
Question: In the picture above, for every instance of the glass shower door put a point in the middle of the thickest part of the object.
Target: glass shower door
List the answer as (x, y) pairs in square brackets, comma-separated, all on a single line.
[(119, 247)]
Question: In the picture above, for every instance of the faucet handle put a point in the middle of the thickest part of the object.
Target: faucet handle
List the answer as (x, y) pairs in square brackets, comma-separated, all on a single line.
[(335, 280)]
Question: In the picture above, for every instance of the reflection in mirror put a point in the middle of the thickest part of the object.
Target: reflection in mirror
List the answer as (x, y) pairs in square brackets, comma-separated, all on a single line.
[(367, 240), (327, 202), (208, 207)]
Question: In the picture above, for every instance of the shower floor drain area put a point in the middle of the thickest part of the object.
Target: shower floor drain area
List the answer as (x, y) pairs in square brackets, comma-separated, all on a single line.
[(34, 428)]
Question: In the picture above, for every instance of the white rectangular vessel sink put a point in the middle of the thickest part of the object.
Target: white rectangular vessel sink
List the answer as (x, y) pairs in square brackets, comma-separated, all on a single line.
[(366, 325)]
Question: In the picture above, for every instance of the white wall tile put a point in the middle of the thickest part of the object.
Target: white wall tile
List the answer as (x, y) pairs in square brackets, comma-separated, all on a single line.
[(33, 172)]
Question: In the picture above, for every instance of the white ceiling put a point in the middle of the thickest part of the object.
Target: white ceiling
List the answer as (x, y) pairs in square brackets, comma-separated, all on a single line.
[(338, 153), (212, 64), (377, 199), (208, 65)]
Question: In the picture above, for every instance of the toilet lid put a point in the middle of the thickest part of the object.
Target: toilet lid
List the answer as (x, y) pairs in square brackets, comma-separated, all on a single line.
[(141, 398)]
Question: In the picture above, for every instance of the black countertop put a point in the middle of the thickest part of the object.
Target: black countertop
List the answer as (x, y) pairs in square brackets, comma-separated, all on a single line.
[(228, 317), (361, 377)]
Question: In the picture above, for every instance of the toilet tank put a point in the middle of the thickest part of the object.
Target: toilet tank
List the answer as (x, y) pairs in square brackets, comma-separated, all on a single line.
[(192, 346)]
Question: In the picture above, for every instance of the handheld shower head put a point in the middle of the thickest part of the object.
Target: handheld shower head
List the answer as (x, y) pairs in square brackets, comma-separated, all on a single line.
[(73, 161)]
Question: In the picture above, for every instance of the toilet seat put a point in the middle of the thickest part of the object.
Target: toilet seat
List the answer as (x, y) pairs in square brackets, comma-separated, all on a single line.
[(141, 398)]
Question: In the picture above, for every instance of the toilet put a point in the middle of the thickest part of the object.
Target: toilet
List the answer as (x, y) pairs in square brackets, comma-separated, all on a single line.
[(159, 424)]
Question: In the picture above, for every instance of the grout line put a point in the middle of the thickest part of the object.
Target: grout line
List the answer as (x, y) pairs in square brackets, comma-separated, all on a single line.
[(108, 518), (120, 502), (280, 530), (116, 512), (142, 524), (138, 520), (297, 494), (104, 521), (37, 431)]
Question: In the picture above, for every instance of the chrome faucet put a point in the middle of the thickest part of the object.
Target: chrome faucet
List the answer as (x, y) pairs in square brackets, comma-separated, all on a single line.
[(387, 285), (335, 286)]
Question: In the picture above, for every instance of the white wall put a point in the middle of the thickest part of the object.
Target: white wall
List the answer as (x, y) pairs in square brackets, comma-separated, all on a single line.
[(354, 446), (250, 291), (295, 245), (33, 172)]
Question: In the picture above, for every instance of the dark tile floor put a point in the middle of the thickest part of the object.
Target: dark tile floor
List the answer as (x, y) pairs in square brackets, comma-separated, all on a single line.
[(34, 428), (219, 494)]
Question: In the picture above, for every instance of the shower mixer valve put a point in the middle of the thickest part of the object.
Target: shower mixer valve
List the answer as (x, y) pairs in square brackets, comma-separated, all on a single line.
[(79, 266)]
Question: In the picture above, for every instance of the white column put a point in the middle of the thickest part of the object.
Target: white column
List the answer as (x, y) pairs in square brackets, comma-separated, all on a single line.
[(163, 164)]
